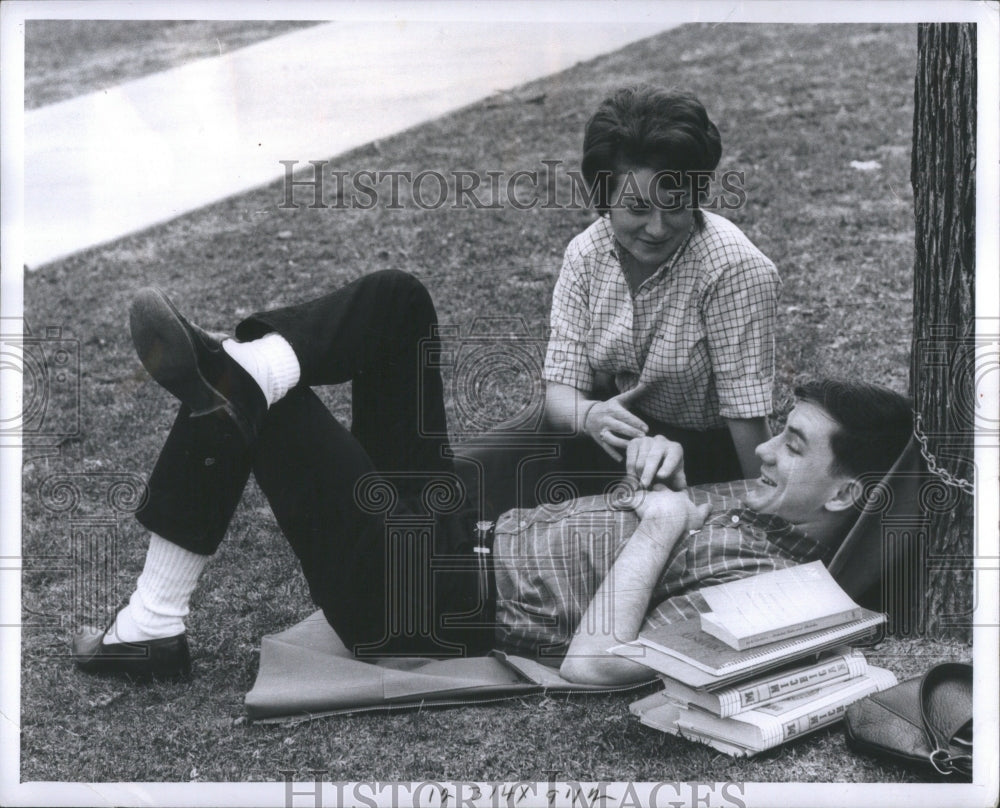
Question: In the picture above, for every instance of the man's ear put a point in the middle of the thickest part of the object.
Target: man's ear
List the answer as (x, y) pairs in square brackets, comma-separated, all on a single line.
[(848, 493)]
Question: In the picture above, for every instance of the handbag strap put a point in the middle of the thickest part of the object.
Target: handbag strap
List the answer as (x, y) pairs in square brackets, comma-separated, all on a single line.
[(946, 698)]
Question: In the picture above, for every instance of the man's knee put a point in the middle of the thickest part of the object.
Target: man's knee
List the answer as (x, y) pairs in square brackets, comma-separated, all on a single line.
[(406, 292)]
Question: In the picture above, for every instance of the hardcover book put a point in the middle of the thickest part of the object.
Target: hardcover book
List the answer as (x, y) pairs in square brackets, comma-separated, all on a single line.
[(684, 652), (664, 718), (786, 603), (843, 664), (780, 721), (762, 728)]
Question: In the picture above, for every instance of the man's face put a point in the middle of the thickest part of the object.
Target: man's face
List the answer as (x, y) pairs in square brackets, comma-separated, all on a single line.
[(796, 478)]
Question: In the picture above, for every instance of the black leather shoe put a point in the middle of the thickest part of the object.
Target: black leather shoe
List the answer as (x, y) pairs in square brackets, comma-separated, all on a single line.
[(168, 658), (191, 364)]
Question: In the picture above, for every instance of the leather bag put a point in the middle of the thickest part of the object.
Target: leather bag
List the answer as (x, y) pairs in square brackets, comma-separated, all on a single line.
[(925, 721)]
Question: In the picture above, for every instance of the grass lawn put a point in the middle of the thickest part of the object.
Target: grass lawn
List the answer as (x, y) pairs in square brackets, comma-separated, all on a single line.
[(795, 105)]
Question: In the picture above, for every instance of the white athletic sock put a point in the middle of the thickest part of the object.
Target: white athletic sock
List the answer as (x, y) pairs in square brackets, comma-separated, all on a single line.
[(159, 604), (271, 362)]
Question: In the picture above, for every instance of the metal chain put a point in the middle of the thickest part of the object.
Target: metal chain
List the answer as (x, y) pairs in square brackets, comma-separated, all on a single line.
[(946, 476)]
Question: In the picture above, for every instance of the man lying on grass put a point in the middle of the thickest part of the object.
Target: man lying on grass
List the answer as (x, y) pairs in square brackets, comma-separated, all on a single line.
[(565, 582)]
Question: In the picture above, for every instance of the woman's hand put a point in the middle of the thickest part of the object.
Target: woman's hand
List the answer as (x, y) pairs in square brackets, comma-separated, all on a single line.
[(612, 426), (655, 459)]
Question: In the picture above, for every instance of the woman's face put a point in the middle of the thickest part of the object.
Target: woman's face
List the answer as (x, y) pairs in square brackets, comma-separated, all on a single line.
[(649, 220)]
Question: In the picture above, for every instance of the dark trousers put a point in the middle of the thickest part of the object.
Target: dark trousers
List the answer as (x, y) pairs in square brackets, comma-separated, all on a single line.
[(376, 515), (523, 469)]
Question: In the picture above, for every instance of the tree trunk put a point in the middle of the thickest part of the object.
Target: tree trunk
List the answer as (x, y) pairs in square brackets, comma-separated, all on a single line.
[(942, 371)]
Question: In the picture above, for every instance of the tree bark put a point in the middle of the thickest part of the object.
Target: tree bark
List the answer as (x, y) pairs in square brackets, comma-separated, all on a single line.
[(942, 372)]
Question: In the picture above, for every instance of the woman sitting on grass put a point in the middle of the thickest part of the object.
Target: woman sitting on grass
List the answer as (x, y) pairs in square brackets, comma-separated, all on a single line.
[(662, 318)]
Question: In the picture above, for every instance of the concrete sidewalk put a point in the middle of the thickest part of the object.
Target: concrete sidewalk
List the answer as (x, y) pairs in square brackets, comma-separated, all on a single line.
[(103, 165)]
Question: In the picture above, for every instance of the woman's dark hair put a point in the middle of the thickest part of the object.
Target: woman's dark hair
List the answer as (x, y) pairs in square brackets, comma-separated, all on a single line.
[(647, 127), (874, 422)]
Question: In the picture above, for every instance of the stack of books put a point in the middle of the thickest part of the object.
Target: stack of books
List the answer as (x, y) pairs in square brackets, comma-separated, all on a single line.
[(769, 662)]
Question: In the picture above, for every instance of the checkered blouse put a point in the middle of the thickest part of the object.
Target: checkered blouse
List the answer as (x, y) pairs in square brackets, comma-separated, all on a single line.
[(550, 560), (701, 328)]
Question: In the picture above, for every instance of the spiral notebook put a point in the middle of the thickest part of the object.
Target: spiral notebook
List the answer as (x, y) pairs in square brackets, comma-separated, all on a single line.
[(684, 652)]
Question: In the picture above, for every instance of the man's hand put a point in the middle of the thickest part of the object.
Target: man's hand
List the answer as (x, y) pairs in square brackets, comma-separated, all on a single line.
[(622, 600), (612, 426), (654, 460), (670, 511)]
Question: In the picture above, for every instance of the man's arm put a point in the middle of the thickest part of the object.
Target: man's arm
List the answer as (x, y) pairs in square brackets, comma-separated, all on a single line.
[(619, 607)]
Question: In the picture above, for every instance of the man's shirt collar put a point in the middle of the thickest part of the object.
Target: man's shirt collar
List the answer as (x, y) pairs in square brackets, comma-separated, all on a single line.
[(781, 533)]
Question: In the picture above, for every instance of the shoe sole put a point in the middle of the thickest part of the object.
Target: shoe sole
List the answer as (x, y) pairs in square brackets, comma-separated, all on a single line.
[(112, 666), (167, 351)]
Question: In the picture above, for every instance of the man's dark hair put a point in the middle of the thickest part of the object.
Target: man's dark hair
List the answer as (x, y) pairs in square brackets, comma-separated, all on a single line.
[(875, 423), (647, 127)]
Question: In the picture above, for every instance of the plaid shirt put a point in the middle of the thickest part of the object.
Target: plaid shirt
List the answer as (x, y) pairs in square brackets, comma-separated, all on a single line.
[(549, 562), (701, 329)]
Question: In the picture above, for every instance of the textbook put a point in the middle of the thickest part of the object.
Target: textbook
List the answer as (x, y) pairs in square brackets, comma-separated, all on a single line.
[(844, 663), (754, 611), (773, 724), (684, 652), (780, 721), (663, 716)]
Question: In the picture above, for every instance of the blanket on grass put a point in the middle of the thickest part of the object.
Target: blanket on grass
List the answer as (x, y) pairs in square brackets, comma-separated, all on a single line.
[(307, 672)]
